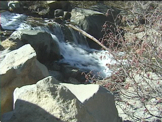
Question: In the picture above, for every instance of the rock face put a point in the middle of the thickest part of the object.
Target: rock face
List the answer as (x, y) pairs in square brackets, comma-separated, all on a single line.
[(49, 101), (98, 101), (18, 68), (46, 48), (90, 21), (103, 9)]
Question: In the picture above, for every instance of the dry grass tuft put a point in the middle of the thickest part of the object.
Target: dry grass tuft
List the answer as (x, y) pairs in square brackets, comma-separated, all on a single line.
[(8, 44)]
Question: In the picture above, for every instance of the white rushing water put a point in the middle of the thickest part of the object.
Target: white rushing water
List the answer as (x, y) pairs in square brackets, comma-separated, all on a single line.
[(12, 21), (76, 54)]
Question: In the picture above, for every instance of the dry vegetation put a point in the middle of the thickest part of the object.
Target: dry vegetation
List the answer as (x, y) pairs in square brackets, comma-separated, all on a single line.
[(137, 76), (139, 80), (8, 44)]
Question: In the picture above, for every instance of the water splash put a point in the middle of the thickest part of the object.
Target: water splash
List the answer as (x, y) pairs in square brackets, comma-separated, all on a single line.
[(82, 56), (13, 21), (76, 53)]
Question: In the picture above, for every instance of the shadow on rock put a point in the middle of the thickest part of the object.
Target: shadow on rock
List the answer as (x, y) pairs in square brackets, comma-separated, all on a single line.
[(24, 113)]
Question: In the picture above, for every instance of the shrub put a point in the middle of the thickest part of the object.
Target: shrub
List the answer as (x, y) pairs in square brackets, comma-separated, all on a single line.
[(137, 75)]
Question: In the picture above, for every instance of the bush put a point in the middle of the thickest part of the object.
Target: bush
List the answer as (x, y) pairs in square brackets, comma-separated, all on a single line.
[(137, 76)]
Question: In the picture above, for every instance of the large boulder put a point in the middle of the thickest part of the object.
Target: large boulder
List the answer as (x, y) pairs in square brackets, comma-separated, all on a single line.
[(46, 47), (47, 100), (18, 68), (101, 7), (91, 22), (110, 12), (98, 101)]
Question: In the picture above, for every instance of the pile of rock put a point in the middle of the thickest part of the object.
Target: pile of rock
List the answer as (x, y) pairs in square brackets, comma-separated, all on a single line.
[(29, 93)]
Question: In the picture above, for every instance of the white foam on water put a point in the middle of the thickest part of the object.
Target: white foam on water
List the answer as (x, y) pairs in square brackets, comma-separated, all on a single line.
[(13, 21), (86, 59)]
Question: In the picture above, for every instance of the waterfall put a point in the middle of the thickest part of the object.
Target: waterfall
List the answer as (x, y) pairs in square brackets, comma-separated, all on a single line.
[(79, 38), (79, 54), (76, 52)]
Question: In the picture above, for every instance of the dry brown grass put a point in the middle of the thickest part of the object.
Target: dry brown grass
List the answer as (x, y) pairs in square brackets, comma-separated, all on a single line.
[(8, 44)]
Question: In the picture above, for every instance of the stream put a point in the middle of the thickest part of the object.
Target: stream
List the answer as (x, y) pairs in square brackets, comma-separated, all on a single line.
[(76, 53)]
